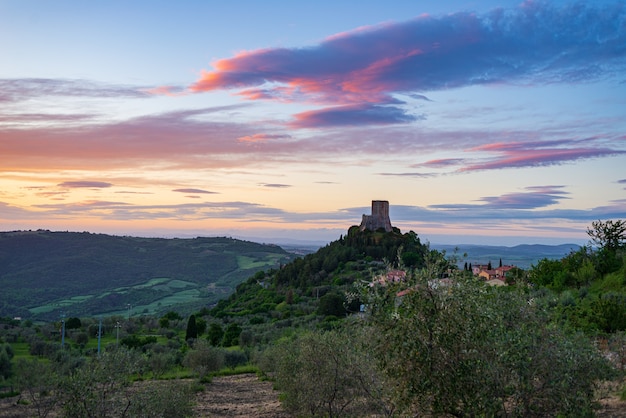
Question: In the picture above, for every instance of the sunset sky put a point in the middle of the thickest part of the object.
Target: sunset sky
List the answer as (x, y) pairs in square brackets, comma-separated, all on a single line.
[(497, 122)]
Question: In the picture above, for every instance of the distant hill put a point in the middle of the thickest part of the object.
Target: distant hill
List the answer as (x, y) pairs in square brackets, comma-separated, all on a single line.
[(44, 274), (523, 256)]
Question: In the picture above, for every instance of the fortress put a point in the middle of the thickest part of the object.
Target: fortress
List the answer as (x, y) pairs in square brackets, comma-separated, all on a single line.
[(379, 217)]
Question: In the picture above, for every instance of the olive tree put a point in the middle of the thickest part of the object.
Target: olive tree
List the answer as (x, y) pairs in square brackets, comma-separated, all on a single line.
[(102, 387), (459, 347), (37, 382), (204, 358), (328, 374)]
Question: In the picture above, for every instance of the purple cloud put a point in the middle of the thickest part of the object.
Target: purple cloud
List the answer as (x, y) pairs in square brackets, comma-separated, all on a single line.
[(353, 116), (86, 184), (537, 154), (275, 185), (195, 191), (416, 175), (533, 43), (535, 197), (442, 163), (14, 90)]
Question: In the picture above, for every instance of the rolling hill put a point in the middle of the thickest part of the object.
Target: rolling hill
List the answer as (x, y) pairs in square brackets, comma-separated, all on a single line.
[(45, 274)]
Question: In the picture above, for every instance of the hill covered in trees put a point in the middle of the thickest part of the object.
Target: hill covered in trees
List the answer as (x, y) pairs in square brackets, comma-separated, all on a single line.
[(325, 276), (44, 274)]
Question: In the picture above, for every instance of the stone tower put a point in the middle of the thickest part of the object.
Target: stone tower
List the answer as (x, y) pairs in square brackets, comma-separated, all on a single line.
[(379, 217)]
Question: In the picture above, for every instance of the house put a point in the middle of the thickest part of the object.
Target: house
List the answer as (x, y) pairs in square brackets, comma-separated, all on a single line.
[(392, 276), (492, 275)]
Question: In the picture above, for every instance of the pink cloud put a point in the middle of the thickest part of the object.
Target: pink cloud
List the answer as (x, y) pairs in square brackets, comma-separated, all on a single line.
[(262, 137), (442, 163), (370, 64), (518, 155), (353, 115)]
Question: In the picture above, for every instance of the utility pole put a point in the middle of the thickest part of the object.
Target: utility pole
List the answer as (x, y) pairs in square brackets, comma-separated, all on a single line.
[(62, 330), (99, 335)]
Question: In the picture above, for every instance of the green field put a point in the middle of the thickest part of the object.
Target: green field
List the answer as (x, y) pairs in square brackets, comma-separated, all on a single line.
[(176, 292)]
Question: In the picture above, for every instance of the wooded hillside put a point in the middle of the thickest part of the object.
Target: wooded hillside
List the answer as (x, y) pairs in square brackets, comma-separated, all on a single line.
[(43, 273)]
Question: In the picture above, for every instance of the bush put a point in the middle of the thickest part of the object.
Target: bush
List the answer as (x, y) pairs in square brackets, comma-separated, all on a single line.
[(169, 399), (204, 358), (470, 349), (326, 374), (234, 358)]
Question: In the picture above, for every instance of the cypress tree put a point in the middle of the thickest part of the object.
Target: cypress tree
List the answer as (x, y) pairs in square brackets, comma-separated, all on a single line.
[(192, 328)]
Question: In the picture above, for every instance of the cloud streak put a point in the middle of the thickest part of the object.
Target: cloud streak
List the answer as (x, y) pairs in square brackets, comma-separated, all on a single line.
[(538, 154), (85, 184), (359, 73), (20, 89), (193, 191), (533, 198)]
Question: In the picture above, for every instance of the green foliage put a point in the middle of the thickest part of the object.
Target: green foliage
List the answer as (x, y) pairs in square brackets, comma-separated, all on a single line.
[(102, 387), (173, 316), (135, 341), (169, 399), (37, 382), (103, 273), (192, 329), (204, 358), (215, 334), (326, 374), (231, 335), (73, 323), (6, 367), (200, 325), (337, 265), (610, 309), (609, 235), (332, 303), (476, 350)]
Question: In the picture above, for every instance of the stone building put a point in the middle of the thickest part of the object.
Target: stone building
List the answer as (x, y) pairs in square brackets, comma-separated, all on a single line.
[(379, 217)]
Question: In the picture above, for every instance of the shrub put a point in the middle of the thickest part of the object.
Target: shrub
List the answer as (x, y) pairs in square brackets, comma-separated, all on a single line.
[(204, 358)]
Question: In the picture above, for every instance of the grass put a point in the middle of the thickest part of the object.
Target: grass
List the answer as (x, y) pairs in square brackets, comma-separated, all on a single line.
[(243, 369), (20, 350)]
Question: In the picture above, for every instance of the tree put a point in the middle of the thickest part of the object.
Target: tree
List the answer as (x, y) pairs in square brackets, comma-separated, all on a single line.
[(192, 329), (609, 235), (231, 335), (204, 359), (332, 304), (162, 399), (102, 387), (200, 325), (73, 323), (215, 334), (472, 350), (328, 374), (6, 367), (36, 381)]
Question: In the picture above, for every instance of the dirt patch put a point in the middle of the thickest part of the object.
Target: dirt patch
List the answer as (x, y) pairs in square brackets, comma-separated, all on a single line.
[(242, 395), (247, 396)]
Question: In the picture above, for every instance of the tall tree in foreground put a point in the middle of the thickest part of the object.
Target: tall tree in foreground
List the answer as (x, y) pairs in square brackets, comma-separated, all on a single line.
[(467, 349)]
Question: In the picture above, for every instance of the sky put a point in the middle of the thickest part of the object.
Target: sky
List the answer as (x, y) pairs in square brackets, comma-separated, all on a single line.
[(486, 122)]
